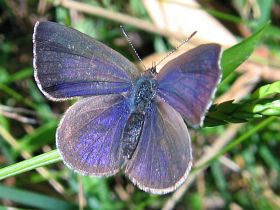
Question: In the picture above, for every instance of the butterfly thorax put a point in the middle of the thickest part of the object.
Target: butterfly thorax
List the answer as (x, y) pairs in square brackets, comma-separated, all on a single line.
[(141, 99), (145, 90)]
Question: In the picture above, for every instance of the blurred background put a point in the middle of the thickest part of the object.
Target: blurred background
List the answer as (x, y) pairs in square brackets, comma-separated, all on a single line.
[(246, 177)]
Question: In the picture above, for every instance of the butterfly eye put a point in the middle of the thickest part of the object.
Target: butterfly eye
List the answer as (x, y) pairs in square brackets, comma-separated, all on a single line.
[(153, 70)]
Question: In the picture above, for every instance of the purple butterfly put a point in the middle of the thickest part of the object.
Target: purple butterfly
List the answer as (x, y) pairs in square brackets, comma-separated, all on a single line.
[(126, 119)]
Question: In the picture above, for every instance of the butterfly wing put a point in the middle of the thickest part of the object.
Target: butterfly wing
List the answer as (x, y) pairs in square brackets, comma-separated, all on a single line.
[(189, 81), (69, 63), (163, 158), (89, 135)]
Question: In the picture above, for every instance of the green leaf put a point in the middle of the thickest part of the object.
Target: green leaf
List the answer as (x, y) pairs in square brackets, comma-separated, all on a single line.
[(237, 54), (229, 112), (269, 158), (195, 201), (4, 75), (34, 199), (265, 7), (30, 164), (220, 179), (20, 75), (6, 89), (39, 137), (265, 107), (266, 90)]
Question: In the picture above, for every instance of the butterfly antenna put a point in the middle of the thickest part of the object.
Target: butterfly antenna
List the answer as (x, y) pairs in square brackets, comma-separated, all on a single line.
[(180, 45), (130, 43)]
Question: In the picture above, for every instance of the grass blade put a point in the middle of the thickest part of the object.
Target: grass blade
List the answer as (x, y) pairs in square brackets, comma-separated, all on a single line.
[(30, 164), (34, 199), (236, 55)]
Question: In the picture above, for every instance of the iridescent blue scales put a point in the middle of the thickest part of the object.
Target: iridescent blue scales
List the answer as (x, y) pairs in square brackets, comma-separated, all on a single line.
[(125, 120)]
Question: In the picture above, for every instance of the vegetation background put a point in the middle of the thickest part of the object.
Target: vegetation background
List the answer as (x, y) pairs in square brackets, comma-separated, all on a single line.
[(236, 153)]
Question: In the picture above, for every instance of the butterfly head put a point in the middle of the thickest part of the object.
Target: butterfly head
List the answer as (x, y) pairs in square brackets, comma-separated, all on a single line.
[(153, 70)]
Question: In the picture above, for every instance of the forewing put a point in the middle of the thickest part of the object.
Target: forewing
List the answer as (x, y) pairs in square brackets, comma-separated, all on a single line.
[(69, 63), (89, 135), (163, 158), (188, 82)]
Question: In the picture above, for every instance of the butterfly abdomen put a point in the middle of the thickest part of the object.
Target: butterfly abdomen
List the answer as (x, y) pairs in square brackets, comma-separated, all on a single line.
[(132, 132)]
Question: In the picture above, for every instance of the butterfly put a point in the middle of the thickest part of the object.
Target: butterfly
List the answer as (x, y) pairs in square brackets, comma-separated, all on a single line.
[(125, 119)]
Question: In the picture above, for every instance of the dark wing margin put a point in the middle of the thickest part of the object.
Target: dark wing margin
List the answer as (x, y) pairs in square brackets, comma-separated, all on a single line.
[(89, 135), (68, 63), (163, 157), (188, 83)]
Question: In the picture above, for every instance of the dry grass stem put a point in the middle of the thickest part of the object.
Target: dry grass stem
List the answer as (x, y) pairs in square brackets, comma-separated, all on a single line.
[(118, 17)]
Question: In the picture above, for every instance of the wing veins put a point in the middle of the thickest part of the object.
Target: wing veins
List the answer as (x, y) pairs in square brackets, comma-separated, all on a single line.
[(61, 73), (93, 118), (102, 145), (168, 141), (97, 139), (150, 134)]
